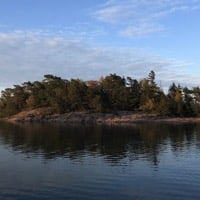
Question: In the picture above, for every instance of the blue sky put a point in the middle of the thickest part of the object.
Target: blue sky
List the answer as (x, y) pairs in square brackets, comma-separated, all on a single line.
[(88, 39)]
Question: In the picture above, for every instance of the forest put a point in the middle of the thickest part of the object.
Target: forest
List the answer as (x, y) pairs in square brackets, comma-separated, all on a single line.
[(109, 94)]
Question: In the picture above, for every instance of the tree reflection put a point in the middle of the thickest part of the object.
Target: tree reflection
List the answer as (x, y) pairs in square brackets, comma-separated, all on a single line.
[(113, 143)]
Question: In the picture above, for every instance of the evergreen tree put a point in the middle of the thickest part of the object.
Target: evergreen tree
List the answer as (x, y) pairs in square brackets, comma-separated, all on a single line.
[(109, 94)]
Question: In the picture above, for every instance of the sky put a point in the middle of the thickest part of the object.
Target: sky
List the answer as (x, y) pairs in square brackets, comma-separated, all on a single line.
[(88, 39)]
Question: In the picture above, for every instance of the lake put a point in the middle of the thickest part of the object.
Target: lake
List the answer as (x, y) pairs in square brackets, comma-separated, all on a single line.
[(143, 161)]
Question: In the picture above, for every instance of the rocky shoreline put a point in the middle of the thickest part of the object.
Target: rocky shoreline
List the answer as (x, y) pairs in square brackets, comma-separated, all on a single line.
[(123, 117)]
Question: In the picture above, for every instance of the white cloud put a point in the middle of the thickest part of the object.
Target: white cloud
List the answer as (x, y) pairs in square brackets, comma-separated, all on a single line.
[(29, 55), (132, 14), (141, 30)]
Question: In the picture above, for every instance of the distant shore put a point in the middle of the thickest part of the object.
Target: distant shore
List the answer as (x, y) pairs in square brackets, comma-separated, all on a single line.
[(121, 117)]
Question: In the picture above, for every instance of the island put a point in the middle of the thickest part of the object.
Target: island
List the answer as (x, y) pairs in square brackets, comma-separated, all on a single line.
[(111, 99)]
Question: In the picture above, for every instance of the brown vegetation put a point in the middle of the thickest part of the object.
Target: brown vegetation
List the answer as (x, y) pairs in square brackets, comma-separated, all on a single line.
[(46, 115)]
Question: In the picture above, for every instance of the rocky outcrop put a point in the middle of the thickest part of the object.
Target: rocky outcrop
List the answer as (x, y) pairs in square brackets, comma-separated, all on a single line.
[(46, 115)]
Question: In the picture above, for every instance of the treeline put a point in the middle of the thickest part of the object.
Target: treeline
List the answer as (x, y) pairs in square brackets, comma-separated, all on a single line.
[(109, 94)]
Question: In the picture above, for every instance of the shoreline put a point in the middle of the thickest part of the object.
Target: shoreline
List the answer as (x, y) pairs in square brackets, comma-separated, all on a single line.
[(121, 117)]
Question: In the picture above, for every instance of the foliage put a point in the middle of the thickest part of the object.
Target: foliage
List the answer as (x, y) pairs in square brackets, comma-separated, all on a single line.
[(110, 94)]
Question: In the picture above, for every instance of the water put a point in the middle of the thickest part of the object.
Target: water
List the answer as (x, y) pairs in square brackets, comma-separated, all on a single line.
[(145, 161)]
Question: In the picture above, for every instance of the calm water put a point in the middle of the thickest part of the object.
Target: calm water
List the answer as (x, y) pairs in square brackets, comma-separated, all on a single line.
[(99, 162)]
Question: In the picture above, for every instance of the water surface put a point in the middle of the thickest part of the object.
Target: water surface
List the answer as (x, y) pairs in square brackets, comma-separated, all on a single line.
[(144, 161)]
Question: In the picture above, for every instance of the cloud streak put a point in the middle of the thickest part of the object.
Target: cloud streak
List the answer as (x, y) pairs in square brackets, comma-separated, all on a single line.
[(29, 55), (133, 15), (141, 30)]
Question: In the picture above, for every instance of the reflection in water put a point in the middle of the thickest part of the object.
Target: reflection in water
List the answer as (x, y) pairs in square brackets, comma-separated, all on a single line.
[(112, 142), (144, 161)]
